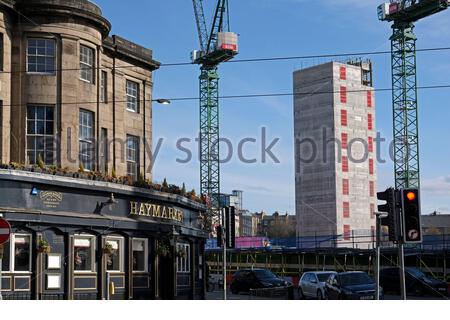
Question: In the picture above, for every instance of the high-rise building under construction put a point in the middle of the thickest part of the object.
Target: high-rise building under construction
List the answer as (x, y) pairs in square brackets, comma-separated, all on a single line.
[(335, 151)]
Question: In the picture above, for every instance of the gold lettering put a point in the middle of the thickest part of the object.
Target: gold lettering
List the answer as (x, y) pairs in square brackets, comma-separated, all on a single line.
[(164, 213), (156, 211), (142, 210), (133, 209), (148, 208)]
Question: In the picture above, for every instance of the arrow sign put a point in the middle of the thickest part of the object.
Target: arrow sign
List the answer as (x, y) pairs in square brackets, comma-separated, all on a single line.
[(5, 231)]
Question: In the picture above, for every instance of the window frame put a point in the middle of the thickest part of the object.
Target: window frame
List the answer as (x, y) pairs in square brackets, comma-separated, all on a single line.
[(12, 258), (137, 153), (2, 51), (184, 263), (84, 140), (121, 241), (85, 65), (129, 96), (44, 135), (49, 73), (93, 249), (344, 118), (145, 254), (104, 87)]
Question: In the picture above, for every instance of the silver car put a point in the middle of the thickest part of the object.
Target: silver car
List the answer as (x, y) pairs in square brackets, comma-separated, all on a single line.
[(312, 284)]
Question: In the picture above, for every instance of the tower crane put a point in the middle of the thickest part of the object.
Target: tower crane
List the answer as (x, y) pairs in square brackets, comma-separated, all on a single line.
[(216, 46), (403, 14)]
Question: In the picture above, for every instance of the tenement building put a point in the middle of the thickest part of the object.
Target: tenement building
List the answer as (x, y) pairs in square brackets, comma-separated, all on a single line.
[(75, 164), (334, 114)]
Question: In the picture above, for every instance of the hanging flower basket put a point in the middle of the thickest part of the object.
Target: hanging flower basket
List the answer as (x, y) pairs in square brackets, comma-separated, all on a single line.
[(163, 250), (181, 253), (44, 246), (108, 249)]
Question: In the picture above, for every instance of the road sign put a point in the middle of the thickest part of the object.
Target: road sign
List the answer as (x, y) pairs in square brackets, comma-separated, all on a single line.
[(5, 231)]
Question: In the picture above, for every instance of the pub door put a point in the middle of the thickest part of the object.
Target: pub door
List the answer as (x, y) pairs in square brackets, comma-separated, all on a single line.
[(166, 277), (53, 265)]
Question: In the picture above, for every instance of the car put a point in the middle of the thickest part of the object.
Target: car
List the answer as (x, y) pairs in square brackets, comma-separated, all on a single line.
[(356, 285), (417, 282), (312, 284), (246, 279)]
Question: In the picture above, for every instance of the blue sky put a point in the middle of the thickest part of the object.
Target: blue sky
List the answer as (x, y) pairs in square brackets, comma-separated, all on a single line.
[(272, 28)]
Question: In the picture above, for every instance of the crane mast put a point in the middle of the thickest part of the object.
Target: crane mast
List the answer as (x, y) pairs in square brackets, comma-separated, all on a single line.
[(217, 46), (404, 14)]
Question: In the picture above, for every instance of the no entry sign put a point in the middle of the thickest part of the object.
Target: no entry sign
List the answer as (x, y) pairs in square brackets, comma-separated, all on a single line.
[(5, 231)]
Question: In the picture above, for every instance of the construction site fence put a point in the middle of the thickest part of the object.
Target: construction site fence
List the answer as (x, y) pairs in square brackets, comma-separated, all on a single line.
[(354, 241), (291, 263)]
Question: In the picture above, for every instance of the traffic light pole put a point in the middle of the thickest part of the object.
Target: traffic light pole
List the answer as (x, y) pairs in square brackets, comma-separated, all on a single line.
[(224, 245), (379, 216), (401, 255)]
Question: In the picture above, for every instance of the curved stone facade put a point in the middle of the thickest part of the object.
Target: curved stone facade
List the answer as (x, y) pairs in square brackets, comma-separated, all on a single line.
[(59, 61)]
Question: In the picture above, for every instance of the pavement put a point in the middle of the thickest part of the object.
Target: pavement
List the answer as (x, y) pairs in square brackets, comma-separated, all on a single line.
[(218, 295)]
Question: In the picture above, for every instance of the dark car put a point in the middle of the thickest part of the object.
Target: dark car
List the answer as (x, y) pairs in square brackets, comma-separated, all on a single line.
[(351, 286), (244, 280), (417, 282)]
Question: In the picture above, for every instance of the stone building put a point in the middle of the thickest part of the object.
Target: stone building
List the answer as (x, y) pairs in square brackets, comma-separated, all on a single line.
[(74, 101), (72, 95), (335, 151)]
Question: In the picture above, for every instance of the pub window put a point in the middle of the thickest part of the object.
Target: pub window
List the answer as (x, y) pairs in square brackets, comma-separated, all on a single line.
[(41, 56), (40, 134), (86, 138), (114, 260), (132, 156), (140, 254), (22, 252), (104, 87), (83, 253), (86, 64), (6, 257), (132, 89), (183, 258)]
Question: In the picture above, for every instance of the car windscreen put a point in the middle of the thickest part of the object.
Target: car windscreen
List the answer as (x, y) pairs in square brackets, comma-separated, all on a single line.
[(323, 277), (263, 274), (416, 273), (354, 279)]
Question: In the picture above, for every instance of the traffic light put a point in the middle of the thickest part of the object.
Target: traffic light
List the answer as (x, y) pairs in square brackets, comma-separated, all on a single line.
[(230, 226), (412, 228), (219, 232), (392, 208)]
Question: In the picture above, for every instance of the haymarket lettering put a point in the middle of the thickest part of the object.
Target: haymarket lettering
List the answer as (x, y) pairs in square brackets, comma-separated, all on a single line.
[(155, 211)]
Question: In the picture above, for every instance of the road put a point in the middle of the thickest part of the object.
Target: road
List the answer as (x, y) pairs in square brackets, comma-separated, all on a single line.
[(218, 295)]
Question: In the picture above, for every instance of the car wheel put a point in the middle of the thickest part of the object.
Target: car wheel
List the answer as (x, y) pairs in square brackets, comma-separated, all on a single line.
[(319, 295), (301, 296)]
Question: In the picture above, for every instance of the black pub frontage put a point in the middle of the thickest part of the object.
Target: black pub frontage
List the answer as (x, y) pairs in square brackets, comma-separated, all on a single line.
[(83, 239)]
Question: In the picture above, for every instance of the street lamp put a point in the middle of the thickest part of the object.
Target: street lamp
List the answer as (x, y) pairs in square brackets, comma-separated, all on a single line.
[(162, 101)]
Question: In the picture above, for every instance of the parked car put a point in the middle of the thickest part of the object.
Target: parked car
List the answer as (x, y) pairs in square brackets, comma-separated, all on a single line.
[(246, 279), (312, 284), (417, 282), (351, 286)]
